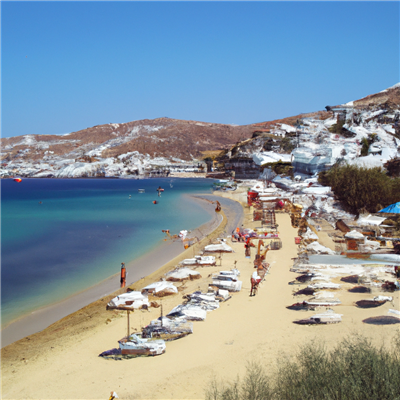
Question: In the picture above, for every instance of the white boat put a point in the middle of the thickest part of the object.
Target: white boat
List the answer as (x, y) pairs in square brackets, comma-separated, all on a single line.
[(227, 282), (182, 274), (128, 301), (167, 329), (328, 317), (233, 272), (199, 260), (189, 312), (160, 289), (141, 190), (221, 247), (138, 346), (324, 285), (323, 302)]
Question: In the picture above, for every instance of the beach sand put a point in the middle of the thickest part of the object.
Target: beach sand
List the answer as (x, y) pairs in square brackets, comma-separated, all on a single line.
[(62, 361)]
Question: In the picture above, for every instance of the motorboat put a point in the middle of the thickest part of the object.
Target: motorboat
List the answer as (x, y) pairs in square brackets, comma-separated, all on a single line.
[(141, 190)]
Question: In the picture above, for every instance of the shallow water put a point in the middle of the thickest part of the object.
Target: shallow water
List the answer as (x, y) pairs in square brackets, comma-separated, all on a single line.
[(81, 231)]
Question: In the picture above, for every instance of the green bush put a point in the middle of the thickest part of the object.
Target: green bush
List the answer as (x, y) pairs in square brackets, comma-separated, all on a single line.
[(361, 188), (364, 147), (255, 386), (354, 370), (287, 144), (337, 128)]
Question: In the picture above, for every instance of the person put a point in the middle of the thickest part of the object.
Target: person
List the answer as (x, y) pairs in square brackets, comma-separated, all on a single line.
[(235, 235), (255, 281), (123, 275), (247, 250)]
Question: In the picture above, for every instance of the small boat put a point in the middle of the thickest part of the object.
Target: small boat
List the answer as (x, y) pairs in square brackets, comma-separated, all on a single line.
[(199, 260), (306, 291), (313, 303), (221, 247), (350, 279), (135, 345), (188, 312), (360, 289), (141, 190), (370, 303), (324, 285), (328, 317), (18, 180), (384, 319), (299, 306), (227, 282), (167, 329), (182, 274), (375, 302)]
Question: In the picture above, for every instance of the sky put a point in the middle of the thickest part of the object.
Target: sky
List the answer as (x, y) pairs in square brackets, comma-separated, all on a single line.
[(66, 66)]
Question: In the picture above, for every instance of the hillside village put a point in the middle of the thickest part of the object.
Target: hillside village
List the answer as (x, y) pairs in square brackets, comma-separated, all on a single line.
[(364, 132)]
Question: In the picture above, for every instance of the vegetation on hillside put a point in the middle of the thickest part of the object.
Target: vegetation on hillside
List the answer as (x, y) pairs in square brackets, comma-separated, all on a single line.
[(361, 189), (355, 369)]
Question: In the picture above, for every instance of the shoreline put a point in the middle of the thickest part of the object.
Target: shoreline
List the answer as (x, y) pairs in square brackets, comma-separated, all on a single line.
[(156, 260)]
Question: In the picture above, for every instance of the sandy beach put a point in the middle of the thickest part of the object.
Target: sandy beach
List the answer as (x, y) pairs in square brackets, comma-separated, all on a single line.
[(61, 362)]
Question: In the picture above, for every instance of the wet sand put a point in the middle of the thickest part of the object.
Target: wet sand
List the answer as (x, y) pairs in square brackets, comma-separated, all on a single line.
[(62, 362)]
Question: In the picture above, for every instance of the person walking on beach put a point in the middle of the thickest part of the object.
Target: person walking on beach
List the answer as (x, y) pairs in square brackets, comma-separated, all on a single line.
[(247, 250)]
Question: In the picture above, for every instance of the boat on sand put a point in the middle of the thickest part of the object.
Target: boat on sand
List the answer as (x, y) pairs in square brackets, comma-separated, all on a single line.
[(135, 345)]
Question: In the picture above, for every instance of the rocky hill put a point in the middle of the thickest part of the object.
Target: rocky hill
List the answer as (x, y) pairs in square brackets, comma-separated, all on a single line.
[(365, 132), (134, 148), (134, 145)]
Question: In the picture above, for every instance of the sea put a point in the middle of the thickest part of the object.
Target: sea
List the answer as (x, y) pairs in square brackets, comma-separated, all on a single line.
[(61, 236)]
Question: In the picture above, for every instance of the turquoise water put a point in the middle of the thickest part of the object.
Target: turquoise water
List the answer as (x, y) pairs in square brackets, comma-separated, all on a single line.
[(81, 231)]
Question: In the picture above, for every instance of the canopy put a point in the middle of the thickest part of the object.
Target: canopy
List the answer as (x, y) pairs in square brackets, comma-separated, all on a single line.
[(393, 208)]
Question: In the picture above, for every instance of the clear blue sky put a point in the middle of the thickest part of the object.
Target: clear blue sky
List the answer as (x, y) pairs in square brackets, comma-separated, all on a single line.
[(67, 66)]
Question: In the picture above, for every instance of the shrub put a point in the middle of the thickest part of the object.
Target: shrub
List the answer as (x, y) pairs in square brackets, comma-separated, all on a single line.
[(255, 386), (364, 147), (359, 188), (355, 369), (337, 128), (287, 144)]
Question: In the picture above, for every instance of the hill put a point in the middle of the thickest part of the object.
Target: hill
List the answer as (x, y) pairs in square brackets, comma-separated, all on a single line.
[(134, 148)]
